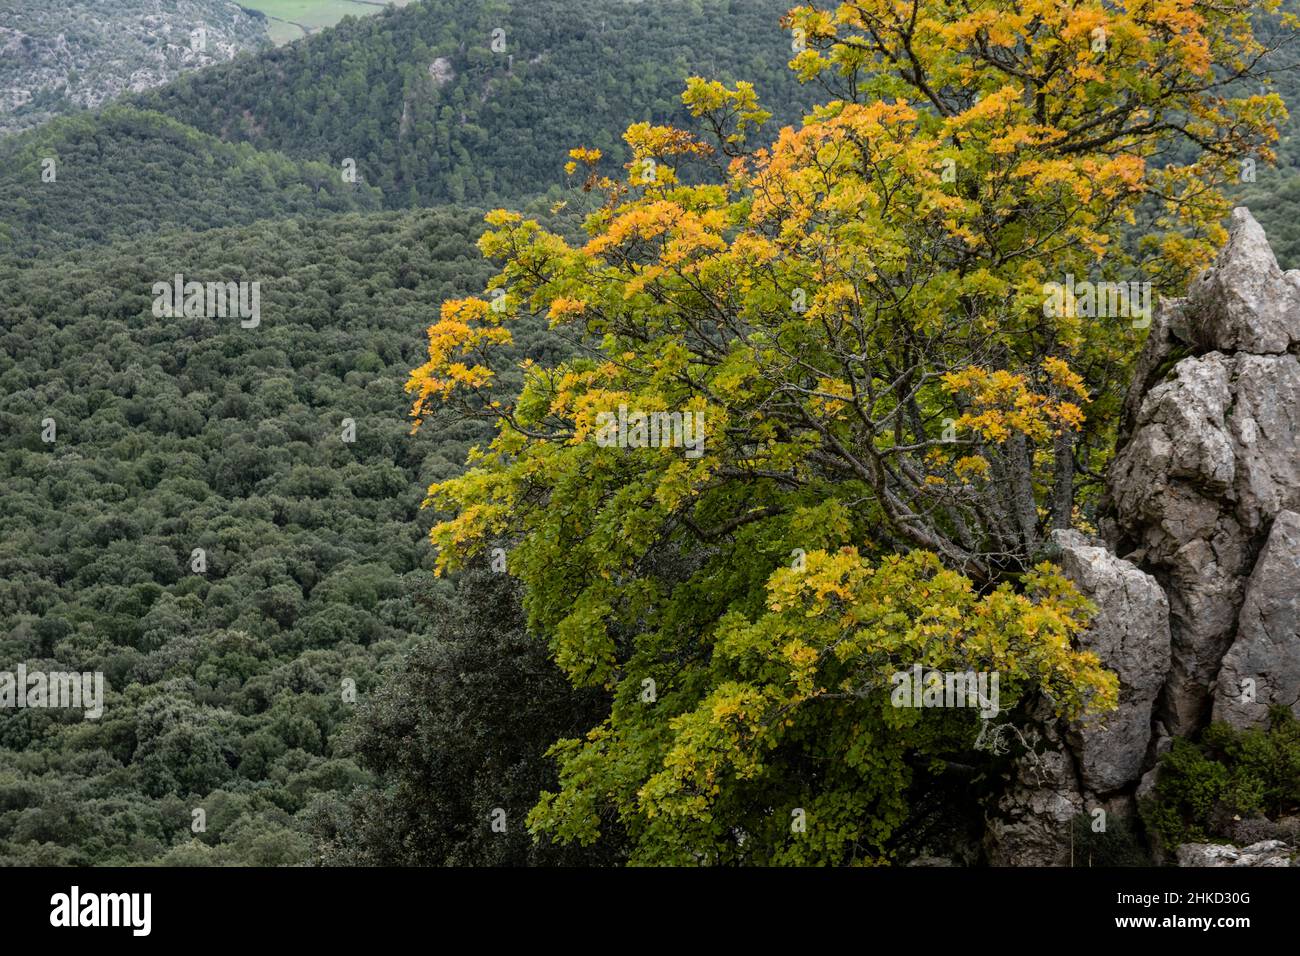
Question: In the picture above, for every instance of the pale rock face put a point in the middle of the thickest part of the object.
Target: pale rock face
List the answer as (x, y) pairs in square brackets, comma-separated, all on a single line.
[(1130, 634), (1262, 668), (1264, 853), (1031, 824), (1214, 457), (1172, 488), (1246, 302), (441, 71), (1265, 429)]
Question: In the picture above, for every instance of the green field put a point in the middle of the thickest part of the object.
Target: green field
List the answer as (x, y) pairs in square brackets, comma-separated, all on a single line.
[(294, 19)]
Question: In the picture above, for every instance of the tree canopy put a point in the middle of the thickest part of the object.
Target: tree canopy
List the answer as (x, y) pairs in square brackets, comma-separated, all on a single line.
[(893, 418)]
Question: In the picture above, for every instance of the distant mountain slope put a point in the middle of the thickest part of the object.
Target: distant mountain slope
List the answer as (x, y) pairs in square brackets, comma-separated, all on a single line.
[(1273, 193), (56, 57), (122, 172), (445, 100)]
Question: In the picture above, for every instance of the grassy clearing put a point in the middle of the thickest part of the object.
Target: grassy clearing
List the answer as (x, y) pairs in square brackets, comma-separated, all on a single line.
[(281, 32), (293, 17)]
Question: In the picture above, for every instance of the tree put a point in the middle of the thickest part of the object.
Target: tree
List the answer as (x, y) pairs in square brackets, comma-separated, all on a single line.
[(887, 417), (459, 733)]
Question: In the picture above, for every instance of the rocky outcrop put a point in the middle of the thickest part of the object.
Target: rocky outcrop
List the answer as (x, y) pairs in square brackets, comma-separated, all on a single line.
[(1171, 487), (1197, 575), (1078, 767), (441, 71), (1262, 668), (1246, 303), (1030, 826), (1212, 457), (1264, 853), (1130, 634)]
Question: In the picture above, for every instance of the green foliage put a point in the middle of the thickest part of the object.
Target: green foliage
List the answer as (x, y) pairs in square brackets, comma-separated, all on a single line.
[(1274, 193), (1120, 844), (784, 714), (1227, 775), (459, 730), (224, 687)]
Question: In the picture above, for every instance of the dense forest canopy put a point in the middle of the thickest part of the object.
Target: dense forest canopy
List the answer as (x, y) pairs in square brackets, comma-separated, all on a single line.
[(125, 173), (225, 687)]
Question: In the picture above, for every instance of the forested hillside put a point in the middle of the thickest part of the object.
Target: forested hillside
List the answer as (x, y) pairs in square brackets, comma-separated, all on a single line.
[(448, 101), (1272, 192), (225, 687), (417, 100), (423, 103), (124, 173)]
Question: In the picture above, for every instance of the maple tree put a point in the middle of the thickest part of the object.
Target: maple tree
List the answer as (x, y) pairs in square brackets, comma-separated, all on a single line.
[(894, 420)]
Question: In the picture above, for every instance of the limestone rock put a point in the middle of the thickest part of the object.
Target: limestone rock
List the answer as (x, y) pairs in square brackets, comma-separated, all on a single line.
[(1245, 302), (1032, 820), (1264, 660), (1211, 462), (1212, 457), (1171, 487), (1130, 634), (1264, 853), (1265, 429), (441, 71)]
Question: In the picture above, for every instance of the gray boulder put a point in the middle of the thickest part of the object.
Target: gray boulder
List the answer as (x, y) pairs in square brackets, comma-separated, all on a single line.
[(1171, 488), (1032, 824), (1262, 668), (1265, 431), (1246, 302), (1130, 634)]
